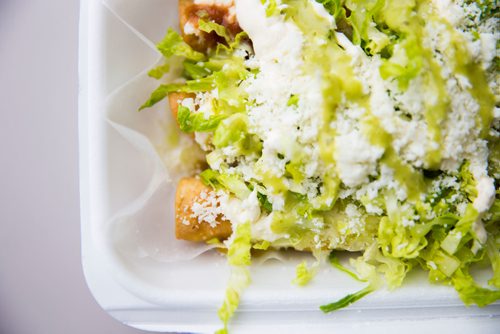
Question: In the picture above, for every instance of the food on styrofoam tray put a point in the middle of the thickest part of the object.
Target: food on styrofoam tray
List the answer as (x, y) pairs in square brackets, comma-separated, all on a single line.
[(339, 125)]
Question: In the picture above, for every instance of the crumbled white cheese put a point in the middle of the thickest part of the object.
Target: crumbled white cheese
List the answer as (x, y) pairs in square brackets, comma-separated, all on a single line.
[(203, 139), (278, 201), (285, 129), (208, 208), (187, 102), (485, 194), (189, 29), (203, 103), (450, 10), (371, 191), (354, 223), (356, 158), (410, 137), (241, 211), (488, 48)]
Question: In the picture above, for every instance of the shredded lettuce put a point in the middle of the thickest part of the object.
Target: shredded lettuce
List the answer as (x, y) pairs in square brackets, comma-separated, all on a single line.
[(239, 250), (239, 258), (271, 7), (470, 292), (191, 122), (173, 45), (303, 274), (195, 70), (468, 183), (229, 182), (400, 237), (293, 100), (334, 261), (220, 70), (209, 26), (334, 7), (159, 71), (493, 252), (191, 86), (462, 228), (329, 192), (263, 245), (233, 132), (239, 279), (346, 301), (264, 202), (373, 261), (237, 42), (362, 16)]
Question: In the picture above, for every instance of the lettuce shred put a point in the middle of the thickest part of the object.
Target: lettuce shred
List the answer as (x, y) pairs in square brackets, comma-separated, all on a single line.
[(239, 258), (221, 69), (346, 301), (303, 274), (173, 45), (191, 122), (209, 26)]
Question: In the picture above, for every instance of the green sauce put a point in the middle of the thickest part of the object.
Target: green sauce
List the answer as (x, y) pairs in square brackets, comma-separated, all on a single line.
[(479, 88), (339, 78), (406, 175)]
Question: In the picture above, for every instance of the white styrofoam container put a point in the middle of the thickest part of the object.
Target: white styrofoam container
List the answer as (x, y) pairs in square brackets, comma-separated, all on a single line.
[(150, 281)]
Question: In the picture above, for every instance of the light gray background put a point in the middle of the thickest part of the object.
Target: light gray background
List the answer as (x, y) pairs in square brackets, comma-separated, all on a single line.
[(42, 289)]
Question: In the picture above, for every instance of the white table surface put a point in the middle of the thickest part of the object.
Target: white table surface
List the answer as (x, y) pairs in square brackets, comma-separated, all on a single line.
[(42, 289)]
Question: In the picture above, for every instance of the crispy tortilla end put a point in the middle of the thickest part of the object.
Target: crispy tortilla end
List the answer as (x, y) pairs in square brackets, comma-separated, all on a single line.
[(187, 224)]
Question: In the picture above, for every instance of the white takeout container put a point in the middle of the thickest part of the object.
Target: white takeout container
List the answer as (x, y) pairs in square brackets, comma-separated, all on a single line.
[(144, 278)]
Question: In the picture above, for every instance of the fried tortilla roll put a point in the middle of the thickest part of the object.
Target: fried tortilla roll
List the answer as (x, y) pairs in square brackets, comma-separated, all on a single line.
[(190, 13), (198, 216), (197, 212)]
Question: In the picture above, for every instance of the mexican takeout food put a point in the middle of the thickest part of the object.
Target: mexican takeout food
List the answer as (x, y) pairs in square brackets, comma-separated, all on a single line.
[(367, 126)]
